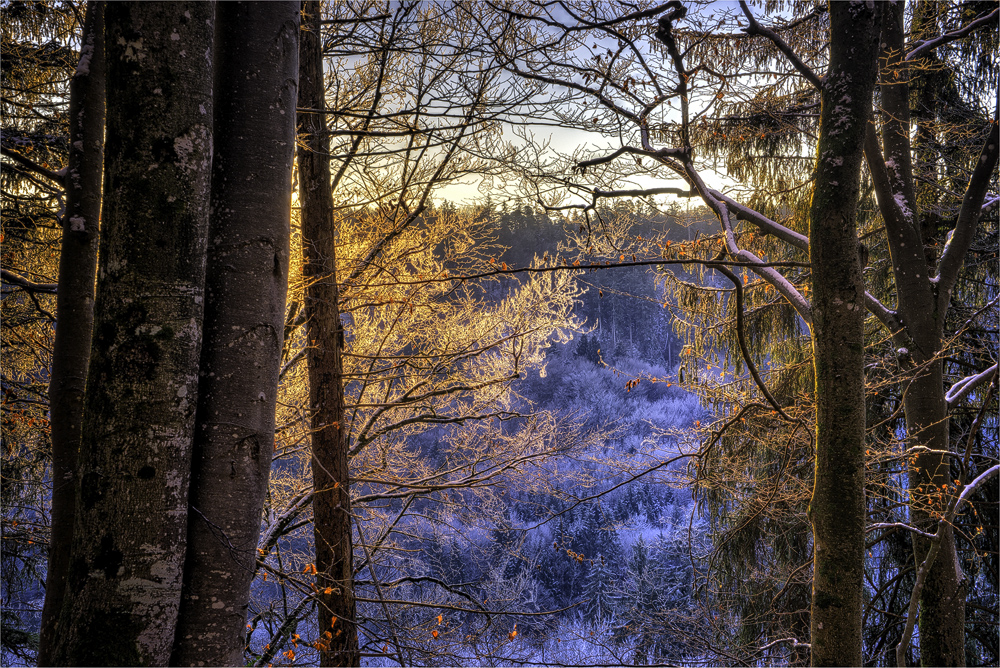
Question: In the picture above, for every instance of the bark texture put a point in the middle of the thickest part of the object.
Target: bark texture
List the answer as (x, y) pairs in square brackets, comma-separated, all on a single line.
[(124, 579), (837, 509), (256, 64), (74, 308), (331, 497)]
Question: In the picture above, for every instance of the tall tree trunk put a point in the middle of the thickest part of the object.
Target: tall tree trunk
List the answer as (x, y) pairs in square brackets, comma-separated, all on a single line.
[(331, 497), (837, 509), (124, 581), (74, 308), (256, 65), (922, 310)]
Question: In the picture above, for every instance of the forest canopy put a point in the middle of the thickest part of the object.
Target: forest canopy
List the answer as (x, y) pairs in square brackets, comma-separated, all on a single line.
[(477, 333)]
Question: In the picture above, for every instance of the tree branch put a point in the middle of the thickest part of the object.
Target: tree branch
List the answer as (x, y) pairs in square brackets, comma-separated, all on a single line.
[(757, 29), (961, 237), (21, 282), (763, 223), (931, 44), (961, 389), (738, 284), (34, 166)]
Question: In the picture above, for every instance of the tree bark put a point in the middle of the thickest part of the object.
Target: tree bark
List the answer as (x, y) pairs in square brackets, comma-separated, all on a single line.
[(124, 581), (837, 509), (331, 497), (256, 66), (74, 308)]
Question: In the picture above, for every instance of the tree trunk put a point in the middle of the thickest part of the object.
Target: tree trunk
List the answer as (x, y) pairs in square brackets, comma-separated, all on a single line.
[(74, 308), (124, 580), (942, 599), (837, 509), (331, 497), (256, 65), (922, 310)]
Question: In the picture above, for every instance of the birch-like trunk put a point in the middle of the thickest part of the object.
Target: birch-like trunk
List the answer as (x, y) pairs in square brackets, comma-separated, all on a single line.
[(124, 581), (331, 496), (837, 509), (74, 308), (256, 65)]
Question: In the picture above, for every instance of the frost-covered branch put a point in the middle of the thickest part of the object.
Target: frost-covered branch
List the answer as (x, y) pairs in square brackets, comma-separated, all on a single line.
[(962, 388), (899, 525), (755, 264)]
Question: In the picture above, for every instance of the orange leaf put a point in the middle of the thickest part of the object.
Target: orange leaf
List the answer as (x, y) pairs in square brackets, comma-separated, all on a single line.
[(434, 633)]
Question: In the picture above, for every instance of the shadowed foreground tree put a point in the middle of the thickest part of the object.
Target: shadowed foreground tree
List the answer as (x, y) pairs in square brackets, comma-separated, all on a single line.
[(256, 70), (168, 502), (124, 582), (74, 306)]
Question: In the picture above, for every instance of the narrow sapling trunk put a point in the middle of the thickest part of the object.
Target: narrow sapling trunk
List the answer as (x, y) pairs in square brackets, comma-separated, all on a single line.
[(124, 580), (331, 497), (256, 65), (837, 509), (74, 308)]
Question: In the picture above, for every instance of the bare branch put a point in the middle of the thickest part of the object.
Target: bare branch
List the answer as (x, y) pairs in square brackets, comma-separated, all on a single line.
[(931, 44), (757, 29), (763, 223), (21, 282), (34, 166), (961, 237)]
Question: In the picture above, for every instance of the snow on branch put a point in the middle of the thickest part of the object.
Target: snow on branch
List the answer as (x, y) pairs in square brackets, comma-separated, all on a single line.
[(961, 389), (971, 488)]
